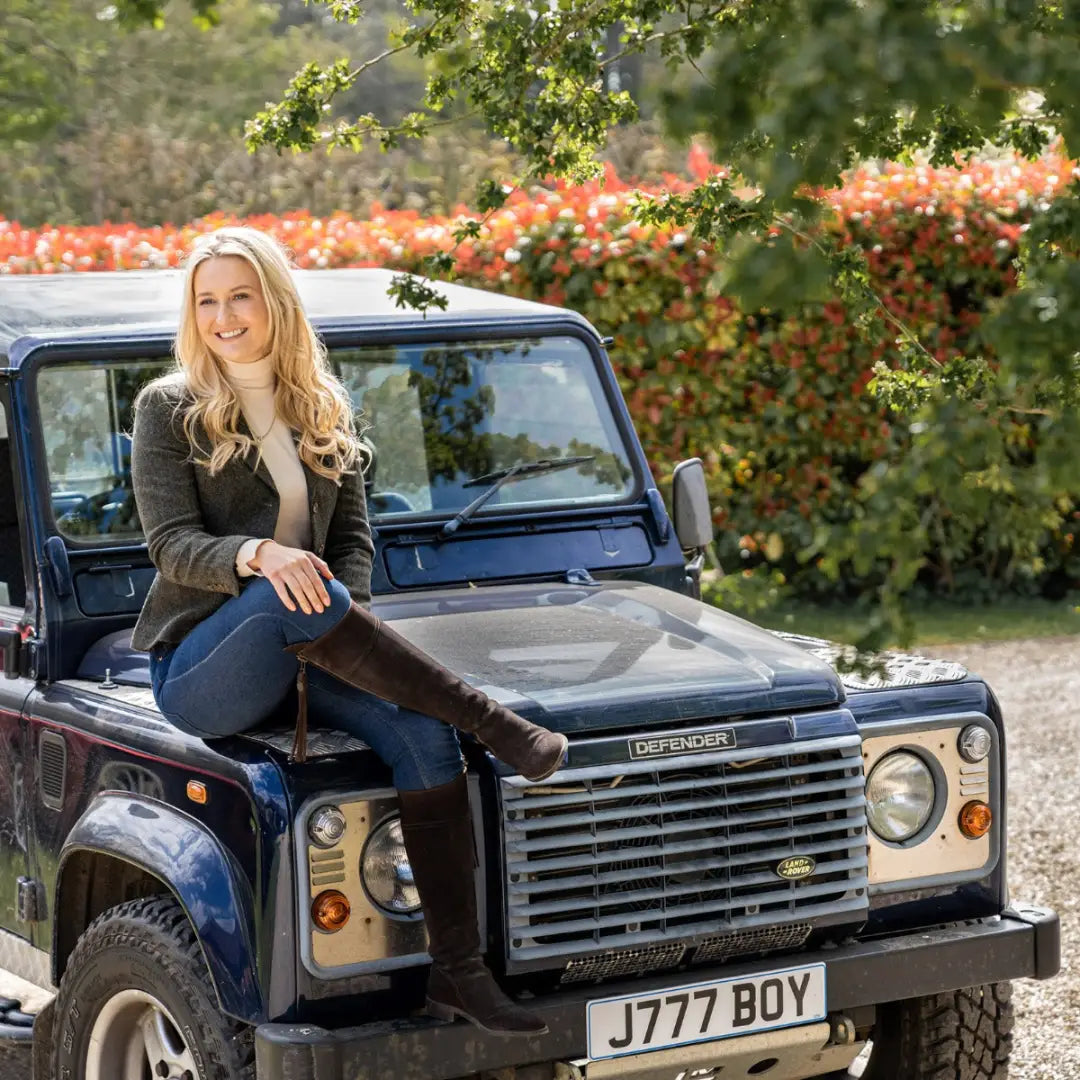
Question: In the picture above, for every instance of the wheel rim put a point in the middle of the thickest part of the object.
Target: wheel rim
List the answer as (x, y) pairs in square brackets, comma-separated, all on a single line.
[(136, 1038)]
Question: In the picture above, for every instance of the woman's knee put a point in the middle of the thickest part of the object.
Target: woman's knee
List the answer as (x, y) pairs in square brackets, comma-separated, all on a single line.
[(340, 600), (264, 597)]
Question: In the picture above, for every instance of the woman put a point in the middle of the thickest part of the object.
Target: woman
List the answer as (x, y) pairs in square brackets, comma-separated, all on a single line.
[(249, 487)]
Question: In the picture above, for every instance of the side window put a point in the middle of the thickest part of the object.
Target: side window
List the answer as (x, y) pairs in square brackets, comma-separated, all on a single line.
[(86, 420), (12, 575)]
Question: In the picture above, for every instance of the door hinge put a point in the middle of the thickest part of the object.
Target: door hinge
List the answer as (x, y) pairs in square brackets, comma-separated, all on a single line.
[(29, 900), (34, 664)]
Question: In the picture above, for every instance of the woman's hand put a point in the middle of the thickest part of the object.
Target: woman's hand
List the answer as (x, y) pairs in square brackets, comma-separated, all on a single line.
[(294, 573)]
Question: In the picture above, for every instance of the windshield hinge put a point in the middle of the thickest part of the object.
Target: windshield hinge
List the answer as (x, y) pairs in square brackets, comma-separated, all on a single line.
[(659, 514), (580, 576), (56, 558)]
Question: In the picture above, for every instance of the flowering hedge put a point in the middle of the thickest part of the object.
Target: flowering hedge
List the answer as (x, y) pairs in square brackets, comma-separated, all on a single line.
[(775, 403)]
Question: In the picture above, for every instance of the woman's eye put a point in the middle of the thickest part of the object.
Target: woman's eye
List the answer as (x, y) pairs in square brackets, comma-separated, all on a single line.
[(205, 301), (240, 296)]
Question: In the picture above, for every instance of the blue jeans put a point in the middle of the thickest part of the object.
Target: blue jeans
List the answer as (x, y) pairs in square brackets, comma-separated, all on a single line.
[(231, 673)]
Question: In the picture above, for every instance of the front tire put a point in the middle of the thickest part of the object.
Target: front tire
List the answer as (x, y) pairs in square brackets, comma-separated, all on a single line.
[(137, 1001), (964, 1035)]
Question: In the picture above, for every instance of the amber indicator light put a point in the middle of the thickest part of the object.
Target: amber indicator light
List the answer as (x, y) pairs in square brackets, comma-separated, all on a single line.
[(975, 820), (330, 910), (197, 792)]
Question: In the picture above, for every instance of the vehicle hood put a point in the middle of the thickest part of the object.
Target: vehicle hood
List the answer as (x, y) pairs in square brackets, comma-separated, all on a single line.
[(621, 654)]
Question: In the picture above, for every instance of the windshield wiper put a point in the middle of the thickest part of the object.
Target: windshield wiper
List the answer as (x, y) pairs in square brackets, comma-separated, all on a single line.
[(504, 476)]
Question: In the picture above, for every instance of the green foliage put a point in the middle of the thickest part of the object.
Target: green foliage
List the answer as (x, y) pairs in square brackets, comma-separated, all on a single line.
[(821, 485), (792, 93)]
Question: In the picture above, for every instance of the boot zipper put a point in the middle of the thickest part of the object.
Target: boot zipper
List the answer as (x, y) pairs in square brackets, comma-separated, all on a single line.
[(299, 750)]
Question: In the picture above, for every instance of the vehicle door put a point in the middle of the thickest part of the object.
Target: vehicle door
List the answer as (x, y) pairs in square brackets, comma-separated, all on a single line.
[(17, 619)]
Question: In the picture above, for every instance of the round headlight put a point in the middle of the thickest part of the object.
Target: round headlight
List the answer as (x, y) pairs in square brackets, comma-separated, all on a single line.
[(974, 743), (326, 826), (386, 873), (899, 796)]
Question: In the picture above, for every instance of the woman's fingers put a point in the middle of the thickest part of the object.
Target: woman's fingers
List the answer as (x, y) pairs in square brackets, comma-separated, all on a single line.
[(314, 588), (321, 567), (320, 570), (307, 588), (297, 577), (282, 591)]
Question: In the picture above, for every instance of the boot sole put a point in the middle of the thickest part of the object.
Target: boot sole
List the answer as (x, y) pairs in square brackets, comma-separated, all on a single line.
[(450, 1012), (559, 762)]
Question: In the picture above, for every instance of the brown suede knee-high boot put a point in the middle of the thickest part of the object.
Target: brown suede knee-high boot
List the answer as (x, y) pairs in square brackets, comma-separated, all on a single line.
[(364, 652), (438, 838)]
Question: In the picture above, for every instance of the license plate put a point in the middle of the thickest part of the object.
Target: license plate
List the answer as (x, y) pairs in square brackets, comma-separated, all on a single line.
[(701, 1011)]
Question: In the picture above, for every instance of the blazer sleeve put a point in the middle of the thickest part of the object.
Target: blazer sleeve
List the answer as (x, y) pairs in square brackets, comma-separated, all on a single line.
[(349, 549), (166, 495)]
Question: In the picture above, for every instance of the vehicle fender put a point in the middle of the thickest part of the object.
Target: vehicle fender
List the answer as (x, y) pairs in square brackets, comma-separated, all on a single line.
[(191, 863)]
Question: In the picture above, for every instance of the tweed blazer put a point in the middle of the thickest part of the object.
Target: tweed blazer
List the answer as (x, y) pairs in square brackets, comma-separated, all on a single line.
[(195, 523)]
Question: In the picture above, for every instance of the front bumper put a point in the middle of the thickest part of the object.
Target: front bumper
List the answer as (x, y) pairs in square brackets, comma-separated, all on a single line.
[(1024, 942)]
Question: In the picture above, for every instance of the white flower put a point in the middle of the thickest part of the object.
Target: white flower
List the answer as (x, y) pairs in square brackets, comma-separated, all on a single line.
[(512, 255)]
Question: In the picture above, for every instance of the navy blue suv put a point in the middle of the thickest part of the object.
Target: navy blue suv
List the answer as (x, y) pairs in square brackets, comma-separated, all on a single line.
[(750, 865)]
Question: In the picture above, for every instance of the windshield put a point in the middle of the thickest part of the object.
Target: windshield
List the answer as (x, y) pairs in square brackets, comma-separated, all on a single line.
[(436, 416), (442, 415)]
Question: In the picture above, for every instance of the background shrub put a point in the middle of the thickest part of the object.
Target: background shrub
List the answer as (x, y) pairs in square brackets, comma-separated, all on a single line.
[(776, 403)]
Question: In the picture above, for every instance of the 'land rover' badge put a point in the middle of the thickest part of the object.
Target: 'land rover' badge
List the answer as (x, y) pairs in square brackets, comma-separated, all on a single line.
[(796, 866)]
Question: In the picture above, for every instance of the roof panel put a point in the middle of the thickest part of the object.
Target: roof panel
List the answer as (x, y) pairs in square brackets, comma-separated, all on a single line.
[(114, 300)]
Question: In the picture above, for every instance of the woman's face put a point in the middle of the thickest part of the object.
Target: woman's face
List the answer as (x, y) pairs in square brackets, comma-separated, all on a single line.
[(230, 309)]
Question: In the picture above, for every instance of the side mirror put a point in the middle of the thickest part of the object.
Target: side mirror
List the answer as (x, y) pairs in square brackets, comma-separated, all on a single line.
[(690, 505)]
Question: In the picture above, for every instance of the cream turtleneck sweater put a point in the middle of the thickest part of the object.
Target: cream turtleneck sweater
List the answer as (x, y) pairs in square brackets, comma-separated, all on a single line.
[(254, 386)]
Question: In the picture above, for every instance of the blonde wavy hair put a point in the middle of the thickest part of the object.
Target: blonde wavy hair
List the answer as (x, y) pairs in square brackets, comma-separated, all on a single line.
[(307, 396)]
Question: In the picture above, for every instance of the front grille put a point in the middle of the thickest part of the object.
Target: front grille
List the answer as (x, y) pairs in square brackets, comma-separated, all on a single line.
[(747, 942), (683, 852), (615, 962), (656, 958)]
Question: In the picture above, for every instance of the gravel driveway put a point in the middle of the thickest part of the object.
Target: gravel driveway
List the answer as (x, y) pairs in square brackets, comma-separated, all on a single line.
[(1038, 683)]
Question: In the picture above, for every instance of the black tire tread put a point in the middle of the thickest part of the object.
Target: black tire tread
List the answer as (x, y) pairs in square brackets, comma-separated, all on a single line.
[(159, 927), (962, 1035)]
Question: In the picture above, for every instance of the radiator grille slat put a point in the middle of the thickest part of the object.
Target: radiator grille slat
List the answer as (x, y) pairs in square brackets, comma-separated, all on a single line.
[(534, 889), (752, 817), (641, 854), (656, 798), (843, 825), (598, 793), (694, 888)]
